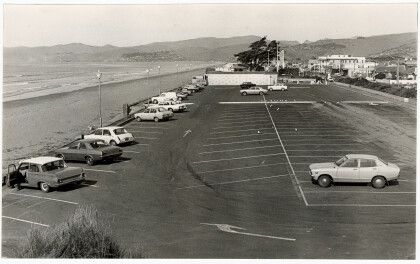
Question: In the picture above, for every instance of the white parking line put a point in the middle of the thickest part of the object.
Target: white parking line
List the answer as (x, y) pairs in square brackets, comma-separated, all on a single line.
[(271, 102), (359, 192), (25, 221), (253, 135), (329, 150), (240, 142), (231, 182), (242, 168), (242, 130), (131, 151), (229, 150), (40, 197), (319, 135), (364, 102), (315, 156), (363, 205), (246, 157), (322, 144), (106, 171), (285, 153), (90, 185)]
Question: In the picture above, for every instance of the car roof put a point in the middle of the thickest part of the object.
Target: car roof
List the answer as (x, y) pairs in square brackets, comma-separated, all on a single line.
[(361, 156), (40, 160), (110, 127)]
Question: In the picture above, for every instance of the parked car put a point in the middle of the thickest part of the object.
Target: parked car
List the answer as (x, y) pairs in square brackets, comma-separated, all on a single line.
[(44, 173), (182, 95), (191, 88), (254, 90), (155, 114), (170, 106), (246, 85), (355, 168), (185, 90), (112, 135), (89, 151), (277, 87)]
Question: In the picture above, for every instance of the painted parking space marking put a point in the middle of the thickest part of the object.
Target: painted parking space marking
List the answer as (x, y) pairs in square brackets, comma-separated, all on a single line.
[(25, 221), (106, 171), (132, 151), (231, 150), (362, 205), (321, 144), (364, 102), (245, 157), (271, 102), (243, 168), (232, 182), (241, 130), (40, 197), (90, 185), (252, 135), (229, 229), (368, 192), (240, 142)]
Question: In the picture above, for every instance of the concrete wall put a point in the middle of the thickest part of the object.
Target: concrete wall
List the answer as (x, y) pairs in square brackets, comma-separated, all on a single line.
[(237, 79)]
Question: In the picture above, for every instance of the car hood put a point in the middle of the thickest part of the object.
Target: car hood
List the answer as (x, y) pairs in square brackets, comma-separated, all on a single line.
[(67, 172), (325, 165)]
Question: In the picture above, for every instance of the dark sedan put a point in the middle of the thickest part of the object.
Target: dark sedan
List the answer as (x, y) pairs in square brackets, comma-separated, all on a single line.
[(247, 85), (89, 151)]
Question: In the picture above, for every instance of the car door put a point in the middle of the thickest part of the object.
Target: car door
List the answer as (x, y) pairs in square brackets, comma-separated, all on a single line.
[(368, 169), (106, 135), (98, 134), (348, 171), (81, 152), (70, 153), (33, 175)]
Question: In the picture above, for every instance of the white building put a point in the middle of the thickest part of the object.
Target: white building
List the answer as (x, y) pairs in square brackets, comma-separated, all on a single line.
[(343, 64)]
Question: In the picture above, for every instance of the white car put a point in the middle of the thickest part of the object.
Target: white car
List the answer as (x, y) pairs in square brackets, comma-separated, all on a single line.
[(153, 114), (277, 87), (173, 106), (112, 135), (254, 90)]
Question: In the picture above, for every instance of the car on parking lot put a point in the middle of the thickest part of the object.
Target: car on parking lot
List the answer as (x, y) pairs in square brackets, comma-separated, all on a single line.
[(246, 85), (89, 151), (154, 114), (112, 135), (173, 106), (277, 87), (43, 173), (355, 168), (254, 90), (191, 87), (182, 95)]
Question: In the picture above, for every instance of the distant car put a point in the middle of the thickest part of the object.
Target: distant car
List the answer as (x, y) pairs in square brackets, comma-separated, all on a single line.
[(246, 85), (89, 151), (182, 95), (277, 87), (355, 168), (112, 135), (44, 173), (191, 88), (253, 90), (153, 114), (173, 106), (185, 90)]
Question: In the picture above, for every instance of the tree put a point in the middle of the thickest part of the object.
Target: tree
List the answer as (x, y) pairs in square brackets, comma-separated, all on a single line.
[(257, 54)]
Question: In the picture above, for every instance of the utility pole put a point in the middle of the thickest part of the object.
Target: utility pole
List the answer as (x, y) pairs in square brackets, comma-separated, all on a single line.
[(177, 77), (159, 79), (99, 75)]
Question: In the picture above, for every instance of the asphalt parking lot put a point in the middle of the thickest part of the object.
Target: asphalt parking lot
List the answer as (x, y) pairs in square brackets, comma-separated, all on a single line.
[(229, 179)]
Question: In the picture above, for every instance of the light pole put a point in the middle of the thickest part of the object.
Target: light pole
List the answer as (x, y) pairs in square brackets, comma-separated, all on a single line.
[(159, 79), (177, 78), (99, 75)]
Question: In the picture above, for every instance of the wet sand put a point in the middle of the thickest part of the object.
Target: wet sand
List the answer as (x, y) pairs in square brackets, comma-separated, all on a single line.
[(39, 125)]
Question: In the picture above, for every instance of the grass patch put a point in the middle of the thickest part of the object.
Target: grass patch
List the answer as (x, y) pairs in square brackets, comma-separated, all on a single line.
[(83, 235)]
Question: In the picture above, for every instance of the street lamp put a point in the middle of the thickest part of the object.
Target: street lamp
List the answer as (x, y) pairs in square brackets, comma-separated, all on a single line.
[(99, 75), (159, 78), (177, 78)]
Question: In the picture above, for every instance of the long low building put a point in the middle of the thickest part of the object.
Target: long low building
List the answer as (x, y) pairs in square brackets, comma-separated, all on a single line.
[(236, 78)]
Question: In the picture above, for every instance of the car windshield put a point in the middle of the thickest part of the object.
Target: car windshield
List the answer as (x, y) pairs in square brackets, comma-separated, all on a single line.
[(97, 144), (120, 131), (161, 109), (341, 161), (384, 162), (54, 165)]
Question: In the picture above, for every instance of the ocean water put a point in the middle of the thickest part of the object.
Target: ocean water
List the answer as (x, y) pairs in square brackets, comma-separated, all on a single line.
[(41, 123)]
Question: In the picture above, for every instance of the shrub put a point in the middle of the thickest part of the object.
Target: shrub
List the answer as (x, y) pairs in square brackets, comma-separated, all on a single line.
[(83, 235)]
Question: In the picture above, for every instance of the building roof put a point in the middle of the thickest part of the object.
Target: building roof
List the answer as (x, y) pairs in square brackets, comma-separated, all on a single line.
[(40, 160), (239, 72), (361, 156)]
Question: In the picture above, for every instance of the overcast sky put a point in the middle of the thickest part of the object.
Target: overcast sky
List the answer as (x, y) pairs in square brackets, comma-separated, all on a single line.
[(128, 25)]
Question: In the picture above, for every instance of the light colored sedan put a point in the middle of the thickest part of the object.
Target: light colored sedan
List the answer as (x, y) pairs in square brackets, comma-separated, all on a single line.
[(154, 113), (254, 90), (355, 168), (277, 87)]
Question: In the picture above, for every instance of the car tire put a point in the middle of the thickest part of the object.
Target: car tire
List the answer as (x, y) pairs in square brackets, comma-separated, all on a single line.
[(261, 93), (324, 181), (112, 143), (155, 101), (44, 187), (156, 119), (271, 89), (138, 119), (89, 160), (170, 109), (244, 93), (61, 156), (378, 182)]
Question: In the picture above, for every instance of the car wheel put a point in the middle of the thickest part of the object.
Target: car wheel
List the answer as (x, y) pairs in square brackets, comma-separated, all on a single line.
[(155, 101), (113, 143), (89, 160), (61, 156), (156, 119), (261, 93), (271, 89), (244, 93), (324, 181), (138, 119), (378, 182), (44, 187), (170, 109)]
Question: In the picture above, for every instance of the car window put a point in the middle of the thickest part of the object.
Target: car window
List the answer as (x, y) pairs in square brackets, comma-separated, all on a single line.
[(152, 110), (74, 145), (106, 132), (97, 144), (120, 131), (366, 163), (23, 166), (351, 163), (82, 145), (341, 161), (33, 168), (55, 165), (98, 132)]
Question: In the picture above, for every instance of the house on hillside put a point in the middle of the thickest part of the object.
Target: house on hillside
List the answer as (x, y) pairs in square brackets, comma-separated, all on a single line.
[(345, 65)]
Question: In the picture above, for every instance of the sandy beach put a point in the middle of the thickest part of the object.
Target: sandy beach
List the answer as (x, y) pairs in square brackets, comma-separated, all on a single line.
[(39, 125)]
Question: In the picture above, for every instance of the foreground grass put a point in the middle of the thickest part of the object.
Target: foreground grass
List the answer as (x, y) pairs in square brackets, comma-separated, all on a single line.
[(83, 235)]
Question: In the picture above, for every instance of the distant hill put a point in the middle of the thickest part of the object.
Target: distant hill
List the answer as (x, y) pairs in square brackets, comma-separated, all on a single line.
[(215, 49)]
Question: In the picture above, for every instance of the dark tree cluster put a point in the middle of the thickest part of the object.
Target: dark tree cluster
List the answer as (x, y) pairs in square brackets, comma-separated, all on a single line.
[(258, 53)]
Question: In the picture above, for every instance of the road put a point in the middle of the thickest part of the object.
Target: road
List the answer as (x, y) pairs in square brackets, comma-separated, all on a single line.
[(230, 180)]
